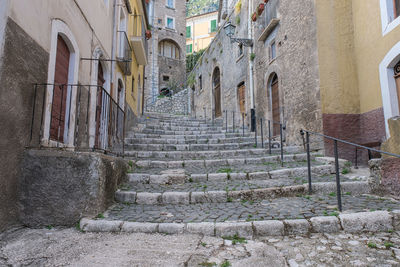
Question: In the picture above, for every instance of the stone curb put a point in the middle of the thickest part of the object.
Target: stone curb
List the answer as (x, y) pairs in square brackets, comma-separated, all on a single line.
[(377, 221), (227, 196)]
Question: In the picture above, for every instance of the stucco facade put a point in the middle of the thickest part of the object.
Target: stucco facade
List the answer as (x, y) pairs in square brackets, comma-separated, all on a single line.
[(200, 31)]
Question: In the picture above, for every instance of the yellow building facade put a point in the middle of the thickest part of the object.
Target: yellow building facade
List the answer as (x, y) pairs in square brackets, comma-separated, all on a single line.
[(200, 31), (358, 51)]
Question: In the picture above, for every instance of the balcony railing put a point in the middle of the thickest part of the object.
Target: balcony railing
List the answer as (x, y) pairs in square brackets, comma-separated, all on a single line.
[(138, 38), (82, 117), (124, 56)]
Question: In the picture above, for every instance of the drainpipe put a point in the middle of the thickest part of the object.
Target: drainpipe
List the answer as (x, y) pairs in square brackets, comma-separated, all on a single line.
[(251, 68), (113, 47)]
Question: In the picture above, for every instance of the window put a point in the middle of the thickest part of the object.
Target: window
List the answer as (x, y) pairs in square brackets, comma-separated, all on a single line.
[(168, 49), (133, 85), (170, 23), (213, 25), (171, 3), (201, 82), (390, 15), (396, 6), (159, 21), (272, 51), (189, 48), (188, 32), (240, 51), (165, 78)]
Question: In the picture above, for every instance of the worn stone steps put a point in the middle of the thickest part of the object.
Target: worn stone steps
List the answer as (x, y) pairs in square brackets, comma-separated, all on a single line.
[(191, 147), (174, 141), (182, 128), (187, 136)]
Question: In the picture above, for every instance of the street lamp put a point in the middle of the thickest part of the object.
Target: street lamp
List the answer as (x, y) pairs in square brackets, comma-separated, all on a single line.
[(229, 29)]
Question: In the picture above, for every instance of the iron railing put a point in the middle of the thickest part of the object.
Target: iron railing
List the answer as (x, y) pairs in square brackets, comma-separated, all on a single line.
[(73, 107), (139, 30), (336, 155), (124, 56)]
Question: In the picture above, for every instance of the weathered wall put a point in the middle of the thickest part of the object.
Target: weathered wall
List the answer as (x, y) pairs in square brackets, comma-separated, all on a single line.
[(21, 67), (60, 187), (177, 104), (159, 66), (296, 65), (234, 69)]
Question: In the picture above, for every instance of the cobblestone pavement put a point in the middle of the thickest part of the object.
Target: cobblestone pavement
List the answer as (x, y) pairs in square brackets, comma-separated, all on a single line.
[(239, 168), (69, 247), (281, 208), (228, 185)]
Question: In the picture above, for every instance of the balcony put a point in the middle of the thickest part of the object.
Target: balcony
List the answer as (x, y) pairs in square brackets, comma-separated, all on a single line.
[(268, 19), (138, 39), (124, 56)]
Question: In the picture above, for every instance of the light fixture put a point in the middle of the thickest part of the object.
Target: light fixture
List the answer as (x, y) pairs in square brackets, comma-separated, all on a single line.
[(229, 29)]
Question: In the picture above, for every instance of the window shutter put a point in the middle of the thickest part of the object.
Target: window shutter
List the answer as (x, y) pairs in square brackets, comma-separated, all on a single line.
[(214, 25), (188, 32)]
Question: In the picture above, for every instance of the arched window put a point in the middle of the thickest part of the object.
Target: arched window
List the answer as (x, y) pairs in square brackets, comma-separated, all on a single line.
[(169, 49)]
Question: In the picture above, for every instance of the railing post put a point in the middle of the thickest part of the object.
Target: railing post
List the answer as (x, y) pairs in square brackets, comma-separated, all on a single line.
[(356, 164), (243, 123), (338, 189), (269, 137), (308, 162), (213, 117), (255, 132), (281, 133), (262, 133), (226, 121), (33, 113), (59, 118), (233, 121)]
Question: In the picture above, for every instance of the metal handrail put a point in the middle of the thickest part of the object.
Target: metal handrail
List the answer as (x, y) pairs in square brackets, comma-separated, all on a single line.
[(335, 149)]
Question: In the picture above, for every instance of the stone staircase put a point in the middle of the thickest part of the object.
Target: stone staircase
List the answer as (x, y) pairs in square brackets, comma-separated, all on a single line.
[(175, 104), (191, 176)]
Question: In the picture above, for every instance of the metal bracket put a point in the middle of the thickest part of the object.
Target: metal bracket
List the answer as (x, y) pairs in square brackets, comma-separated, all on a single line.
[(243, 41)]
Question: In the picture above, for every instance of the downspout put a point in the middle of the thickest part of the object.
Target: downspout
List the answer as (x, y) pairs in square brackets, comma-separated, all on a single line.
[(251, 68), (113, 47)]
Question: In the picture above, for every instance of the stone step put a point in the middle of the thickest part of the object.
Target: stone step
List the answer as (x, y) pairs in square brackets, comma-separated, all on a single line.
[(169, 132), (228, 152), (181, 128), (174, 141), (192, 147), (225, 175), (291, 216), (223, 192), (187, 136)]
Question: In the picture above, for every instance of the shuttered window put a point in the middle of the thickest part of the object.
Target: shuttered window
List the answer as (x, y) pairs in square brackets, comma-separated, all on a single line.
[(189, 48), (188, 32), (214, 25)]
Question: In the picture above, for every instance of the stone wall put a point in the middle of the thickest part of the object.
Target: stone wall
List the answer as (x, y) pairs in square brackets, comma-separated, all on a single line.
[(159, 66), (24, 63), (60, 187), (177, 104)]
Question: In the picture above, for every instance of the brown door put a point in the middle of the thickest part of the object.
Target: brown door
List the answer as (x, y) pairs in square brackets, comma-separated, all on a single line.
[(217, 92), (276, 116), (60, 91), (99, 103), (397, 79), (242, 98)]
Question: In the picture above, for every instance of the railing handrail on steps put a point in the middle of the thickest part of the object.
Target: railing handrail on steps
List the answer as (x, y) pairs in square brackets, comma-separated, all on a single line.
[(335, 148)]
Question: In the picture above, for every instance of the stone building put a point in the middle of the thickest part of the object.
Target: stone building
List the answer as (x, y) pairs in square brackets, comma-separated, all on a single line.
[(64, 67), (166, 67)]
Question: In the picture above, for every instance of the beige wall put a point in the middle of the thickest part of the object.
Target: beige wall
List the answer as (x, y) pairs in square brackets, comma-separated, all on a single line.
[(200, 29)]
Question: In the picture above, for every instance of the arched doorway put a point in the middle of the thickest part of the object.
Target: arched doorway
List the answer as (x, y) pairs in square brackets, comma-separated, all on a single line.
[(275, 108), (217, 92), (60, 91), (241, 93), (397, 79), (99, 105)]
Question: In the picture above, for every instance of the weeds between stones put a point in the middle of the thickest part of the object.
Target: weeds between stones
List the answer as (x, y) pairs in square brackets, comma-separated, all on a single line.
[(226, 263), (372, 245), (100, 216), (235, 239)]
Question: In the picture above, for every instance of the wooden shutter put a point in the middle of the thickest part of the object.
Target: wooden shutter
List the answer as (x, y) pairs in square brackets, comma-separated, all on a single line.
[(57, 125), (188, 32), (242, 98), (213, 25)]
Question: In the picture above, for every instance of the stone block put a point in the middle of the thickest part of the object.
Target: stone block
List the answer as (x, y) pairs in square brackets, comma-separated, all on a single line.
[(204, 228), (175, 198), (98, 226), (143, 163), (297, 227), (327, 224), (138, 227), (229, 229), (396, 219), (259, 176), (159, 164), (125, 196), (238, 176), (148, 198), (171, 228), (377, 221), (215, 162), (269, 228), (215, 177), (236, 162), (280, 174), (158, 179), (139, 178), (175, 164)]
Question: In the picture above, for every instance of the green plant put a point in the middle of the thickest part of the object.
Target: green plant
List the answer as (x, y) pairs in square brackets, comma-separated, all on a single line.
[(224, 170), (238, 7), (100, 216), (348, 193), (390, 231), (229, 199), (252, 56), (388, 245), (345, 171), (190, 180), (78, 227), (238, 20), (348, 164), (334, 213), (333, 194), (372, 245), (236, 239), (226, 263), (203, 244), (49, 227)]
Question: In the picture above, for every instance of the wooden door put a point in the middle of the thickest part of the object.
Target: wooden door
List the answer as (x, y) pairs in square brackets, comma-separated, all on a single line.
[(99, 103), (58, 108), (242, 98), (397, 79), (276, 116), (217, 92)]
